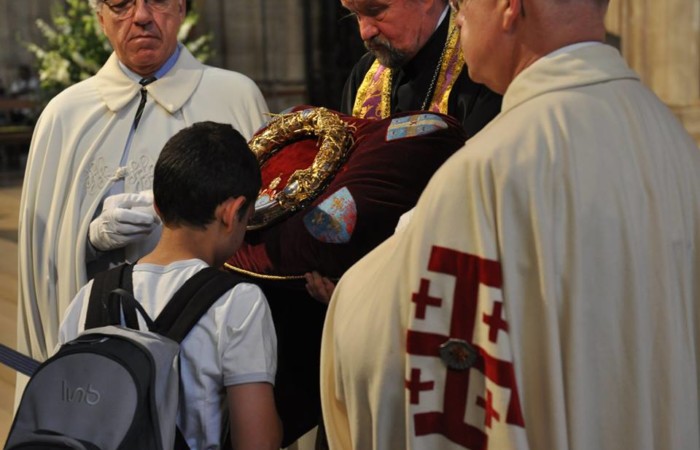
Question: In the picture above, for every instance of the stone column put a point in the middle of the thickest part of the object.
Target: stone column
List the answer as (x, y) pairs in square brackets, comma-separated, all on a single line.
[(661, 41), (264, 40)]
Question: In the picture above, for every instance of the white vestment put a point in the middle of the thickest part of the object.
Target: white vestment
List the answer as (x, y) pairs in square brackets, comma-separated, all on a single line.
[(74, 160), (555, 262)]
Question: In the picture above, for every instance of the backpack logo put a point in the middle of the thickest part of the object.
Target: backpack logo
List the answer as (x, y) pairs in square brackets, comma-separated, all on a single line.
[(87, 395)]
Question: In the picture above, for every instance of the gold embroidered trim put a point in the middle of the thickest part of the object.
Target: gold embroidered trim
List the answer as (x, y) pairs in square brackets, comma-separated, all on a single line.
[(454, 62), (377, 81)]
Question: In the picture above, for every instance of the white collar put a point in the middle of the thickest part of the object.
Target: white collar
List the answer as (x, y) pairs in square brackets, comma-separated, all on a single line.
[(117, 89), (585, 64), (442, 17), (571, 47)]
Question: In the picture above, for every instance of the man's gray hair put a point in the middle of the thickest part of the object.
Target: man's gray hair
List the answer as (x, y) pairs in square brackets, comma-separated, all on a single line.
[(95, 4)]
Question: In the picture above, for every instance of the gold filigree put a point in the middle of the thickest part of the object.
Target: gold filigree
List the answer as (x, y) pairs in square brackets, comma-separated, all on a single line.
[(334, 141), (274, 183)]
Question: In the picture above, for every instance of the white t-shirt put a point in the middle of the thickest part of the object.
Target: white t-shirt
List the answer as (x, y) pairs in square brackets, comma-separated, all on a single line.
[(233, 343)]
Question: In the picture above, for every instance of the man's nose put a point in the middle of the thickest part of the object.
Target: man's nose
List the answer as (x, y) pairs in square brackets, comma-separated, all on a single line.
[(368, 27), (142, 12)]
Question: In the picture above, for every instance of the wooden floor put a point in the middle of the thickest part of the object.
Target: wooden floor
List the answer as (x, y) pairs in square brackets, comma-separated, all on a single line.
[(10, 188)]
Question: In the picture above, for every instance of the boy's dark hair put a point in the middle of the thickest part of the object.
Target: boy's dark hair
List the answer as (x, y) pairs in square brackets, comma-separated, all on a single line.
[(200, 167)]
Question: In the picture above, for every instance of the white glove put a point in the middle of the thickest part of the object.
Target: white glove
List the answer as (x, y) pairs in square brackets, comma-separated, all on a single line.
[(120, 223)]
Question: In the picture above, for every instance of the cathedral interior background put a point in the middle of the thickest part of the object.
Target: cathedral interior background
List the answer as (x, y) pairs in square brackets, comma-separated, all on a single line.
[(300, 52)]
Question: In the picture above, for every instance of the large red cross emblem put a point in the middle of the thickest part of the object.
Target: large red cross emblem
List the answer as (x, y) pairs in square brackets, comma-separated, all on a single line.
[(470, 272)]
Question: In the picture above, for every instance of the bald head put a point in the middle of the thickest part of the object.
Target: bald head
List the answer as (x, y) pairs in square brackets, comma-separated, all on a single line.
[(501, 38)]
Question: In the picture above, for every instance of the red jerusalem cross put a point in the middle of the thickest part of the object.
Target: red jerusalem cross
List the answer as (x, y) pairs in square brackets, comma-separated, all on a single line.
[(415, 386), (489, 411), (495, 322), (423, 300), (470, 273)]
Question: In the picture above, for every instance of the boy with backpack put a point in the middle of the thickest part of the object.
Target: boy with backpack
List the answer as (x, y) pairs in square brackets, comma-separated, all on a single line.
[(205, 183)]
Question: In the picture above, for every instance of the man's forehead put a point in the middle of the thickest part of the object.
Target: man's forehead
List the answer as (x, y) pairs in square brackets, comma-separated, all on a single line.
[(359, 5)]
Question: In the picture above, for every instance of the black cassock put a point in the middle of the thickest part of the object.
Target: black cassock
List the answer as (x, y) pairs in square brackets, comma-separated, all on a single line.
[(472, 104)]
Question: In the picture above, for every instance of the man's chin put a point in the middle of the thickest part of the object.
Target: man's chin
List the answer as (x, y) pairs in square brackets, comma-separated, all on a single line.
[(143, 53), (387, 59), (145, 63)]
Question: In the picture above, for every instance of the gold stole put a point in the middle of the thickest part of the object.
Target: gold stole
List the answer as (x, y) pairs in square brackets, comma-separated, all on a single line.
[(373, 100)]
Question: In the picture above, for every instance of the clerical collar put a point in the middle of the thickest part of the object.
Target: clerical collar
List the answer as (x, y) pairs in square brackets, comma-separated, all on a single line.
[(160, 73), (572, 47), (442, 17)]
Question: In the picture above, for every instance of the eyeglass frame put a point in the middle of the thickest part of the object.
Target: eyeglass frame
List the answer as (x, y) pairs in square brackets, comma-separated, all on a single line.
[(130, 10)]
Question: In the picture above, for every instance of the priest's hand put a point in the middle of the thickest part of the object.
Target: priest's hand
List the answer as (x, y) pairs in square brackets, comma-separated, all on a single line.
[(125, 218), (319, 287)]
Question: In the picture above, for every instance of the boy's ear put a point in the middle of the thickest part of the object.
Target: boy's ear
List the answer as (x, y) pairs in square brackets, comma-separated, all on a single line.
[(229, 211)]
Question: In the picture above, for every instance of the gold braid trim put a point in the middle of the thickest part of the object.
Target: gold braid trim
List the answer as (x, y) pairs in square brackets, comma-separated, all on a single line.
[(268, 277), (263, 276), (377, 81), (452, 64)]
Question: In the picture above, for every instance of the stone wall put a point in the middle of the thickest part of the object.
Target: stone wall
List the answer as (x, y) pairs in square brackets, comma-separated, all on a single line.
[(18, 25), (263, 39), (661, 41)]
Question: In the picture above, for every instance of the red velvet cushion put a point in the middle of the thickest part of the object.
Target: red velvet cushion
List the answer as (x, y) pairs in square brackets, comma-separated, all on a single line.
[(382, 178)]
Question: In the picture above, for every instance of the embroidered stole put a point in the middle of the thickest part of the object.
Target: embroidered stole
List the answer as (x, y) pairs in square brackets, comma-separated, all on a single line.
[(373, 100)]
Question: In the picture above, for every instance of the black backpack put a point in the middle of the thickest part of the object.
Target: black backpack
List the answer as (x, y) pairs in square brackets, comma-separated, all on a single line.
[(115, 387)]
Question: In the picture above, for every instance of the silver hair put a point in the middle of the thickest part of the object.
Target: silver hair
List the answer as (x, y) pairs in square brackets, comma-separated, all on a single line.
[(95, 4)]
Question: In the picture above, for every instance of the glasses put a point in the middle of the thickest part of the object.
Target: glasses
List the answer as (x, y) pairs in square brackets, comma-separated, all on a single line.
[(127, 8), (454, 4)]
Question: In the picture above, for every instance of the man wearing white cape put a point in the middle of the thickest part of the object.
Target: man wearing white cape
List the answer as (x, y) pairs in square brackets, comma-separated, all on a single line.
[(101, 138), (545, 294)]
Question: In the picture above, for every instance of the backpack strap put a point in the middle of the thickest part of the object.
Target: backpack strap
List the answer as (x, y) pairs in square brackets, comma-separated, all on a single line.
[(123, 300), (102, 312), (187, 306), (180, 315), (193, 300)]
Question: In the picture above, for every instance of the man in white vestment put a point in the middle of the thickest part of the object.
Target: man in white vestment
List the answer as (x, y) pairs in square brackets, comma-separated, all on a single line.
[(86, 201), (545, 294)]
